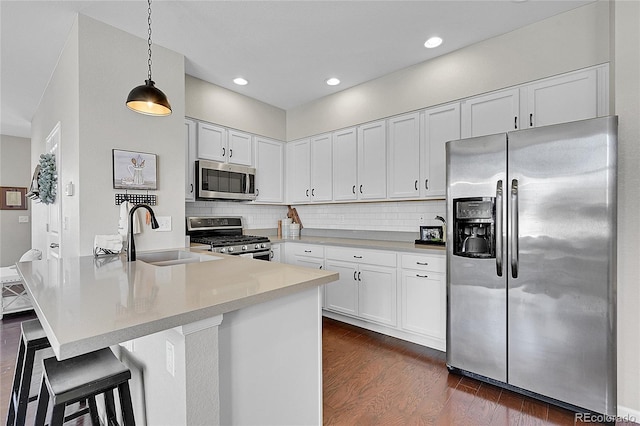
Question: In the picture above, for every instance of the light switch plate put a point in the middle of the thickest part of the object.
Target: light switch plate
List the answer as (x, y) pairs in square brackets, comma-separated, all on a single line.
[(164, 222), (23, 219)]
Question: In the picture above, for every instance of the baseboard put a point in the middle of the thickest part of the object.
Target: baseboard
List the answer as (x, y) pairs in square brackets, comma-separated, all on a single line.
[(628, 414)]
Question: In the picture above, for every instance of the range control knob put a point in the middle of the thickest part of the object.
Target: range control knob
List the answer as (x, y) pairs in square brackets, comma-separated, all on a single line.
[(223, 250), (263, 245), (257, 246), (244, 248), (230, 249)]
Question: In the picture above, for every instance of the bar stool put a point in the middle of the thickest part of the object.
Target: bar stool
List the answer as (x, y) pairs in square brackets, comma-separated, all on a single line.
[(33, 339), (85, 377)]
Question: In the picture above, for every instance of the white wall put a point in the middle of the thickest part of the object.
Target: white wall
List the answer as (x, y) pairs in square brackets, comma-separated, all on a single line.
[(626, 74), (218, 105), (566, 42), (97, 68), (15, 170)]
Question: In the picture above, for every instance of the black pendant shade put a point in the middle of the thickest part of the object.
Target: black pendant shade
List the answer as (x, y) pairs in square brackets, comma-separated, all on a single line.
[(148, 99)]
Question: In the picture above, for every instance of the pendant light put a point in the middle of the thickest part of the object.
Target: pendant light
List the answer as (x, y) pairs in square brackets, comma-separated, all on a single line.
[(148, 99)]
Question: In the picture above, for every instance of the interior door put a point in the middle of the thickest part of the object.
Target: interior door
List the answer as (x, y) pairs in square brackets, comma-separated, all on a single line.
[(54, 213)]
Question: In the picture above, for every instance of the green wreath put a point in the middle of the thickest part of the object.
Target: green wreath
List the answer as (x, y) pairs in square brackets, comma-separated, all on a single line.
[(47, 179)]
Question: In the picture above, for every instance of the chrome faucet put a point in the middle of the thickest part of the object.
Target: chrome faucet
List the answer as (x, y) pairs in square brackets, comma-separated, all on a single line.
[(131, 246)]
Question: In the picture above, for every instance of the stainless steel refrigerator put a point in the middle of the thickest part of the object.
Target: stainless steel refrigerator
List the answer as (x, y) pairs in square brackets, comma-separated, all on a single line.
[(531, 261)]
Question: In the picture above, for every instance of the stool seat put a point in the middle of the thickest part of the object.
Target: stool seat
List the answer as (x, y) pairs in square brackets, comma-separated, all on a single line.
[(83, 378), (33, 332)]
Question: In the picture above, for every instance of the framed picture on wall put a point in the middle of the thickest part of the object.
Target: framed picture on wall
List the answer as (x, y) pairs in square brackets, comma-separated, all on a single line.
[(134, 170), (13, 198)]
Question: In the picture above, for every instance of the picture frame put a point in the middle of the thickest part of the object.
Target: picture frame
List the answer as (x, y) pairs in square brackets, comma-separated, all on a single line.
[(13, 198), (431, 234), (134, 170)]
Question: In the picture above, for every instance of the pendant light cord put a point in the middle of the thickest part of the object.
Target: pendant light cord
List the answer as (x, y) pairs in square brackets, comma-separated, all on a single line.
[(149, 39)]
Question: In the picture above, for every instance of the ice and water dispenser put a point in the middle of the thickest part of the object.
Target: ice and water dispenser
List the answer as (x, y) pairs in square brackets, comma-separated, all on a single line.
[(474, 227)]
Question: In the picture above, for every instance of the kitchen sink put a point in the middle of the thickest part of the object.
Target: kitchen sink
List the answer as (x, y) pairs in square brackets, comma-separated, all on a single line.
[(173, 257)]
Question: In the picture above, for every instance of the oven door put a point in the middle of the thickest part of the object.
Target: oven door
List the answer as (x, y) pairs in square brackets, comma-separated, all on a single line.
[(224, 181), (260, 255)]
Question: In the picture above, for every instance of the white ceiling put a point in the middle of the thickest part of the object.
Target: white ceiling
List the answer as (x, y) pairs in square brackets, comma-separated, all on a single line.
[(286, 49)]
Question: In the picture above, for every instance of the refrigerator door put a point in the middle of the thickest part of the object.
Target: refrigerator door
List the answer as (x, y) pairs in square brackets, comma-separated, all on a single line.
[(562, 262), (476, 294)]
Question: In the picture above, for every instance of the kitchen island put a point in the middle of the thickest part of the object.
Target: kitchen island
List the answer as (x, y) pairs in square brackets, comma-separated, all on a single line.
[(225, 340)]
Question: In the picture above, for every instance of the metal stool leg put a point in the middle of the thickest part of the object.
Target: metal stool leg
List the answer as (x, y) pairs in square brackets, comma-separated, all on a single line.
[(126, 405), (43, 403), (93, 410), (15, 389)]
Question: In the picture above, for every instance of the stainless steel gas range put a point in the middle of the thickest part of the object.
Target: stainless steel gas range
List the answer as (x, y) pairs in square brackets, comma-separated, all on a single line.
[(225, 235)]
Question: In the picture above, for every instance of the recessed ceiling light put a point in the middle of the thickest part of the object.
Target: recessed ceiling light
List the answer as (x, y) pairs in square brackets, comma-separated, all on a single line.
[(240, 81), (433, 42), (333, 81)]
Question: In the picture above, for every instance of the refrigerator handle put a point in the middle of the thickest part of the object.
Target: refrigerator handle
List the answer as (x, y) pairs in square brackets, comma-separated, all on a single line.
[(514, 229), (499, 228)]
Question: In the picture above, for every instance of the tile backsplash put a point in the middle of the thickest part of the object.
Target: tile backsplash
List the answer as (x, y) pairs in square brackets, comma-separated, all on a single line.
[(401, 216)]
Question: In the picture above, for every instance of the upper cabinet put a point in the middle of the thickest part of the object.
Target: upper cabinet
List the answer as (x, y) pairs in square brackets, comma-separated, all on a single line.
[(309, 165), (269, 155), (560, 99), (190, 159), (404, 156), (438, 126), (345, 165), (372, 161), (227, 146), (495, 112)]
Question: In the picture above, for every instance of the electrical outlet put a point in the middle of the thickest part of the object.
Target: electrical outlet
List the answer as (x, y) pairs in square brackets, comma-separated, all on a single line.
[(171, 358), (421, 219), (341, 218), (164, 223)]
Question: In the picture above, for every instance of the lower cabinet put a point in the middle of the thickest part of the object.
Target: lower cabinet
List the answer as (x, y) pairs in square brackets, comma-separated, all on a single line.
[(366, 290), (307, 255), (276, 253)]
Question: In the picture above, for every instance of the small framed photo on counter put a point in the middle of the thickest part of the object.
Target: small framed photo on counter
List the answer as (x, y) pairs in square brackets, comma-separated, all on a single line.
[(431, 235)]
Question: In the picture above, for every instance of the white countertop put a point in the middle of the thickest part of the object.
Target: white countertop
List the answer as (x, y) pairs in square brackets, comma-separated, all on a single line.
[(88, 303), (364, 243)]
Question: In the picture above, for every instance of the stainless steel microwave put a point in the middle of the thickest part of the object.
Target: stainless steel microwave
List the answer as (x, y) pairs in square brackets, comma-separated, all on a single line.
[(215, 181)]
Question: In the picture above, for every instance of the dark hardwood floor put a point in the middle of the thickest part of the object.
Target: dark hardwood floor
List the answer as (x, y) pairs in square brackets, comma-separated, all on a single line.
[(372, 379)]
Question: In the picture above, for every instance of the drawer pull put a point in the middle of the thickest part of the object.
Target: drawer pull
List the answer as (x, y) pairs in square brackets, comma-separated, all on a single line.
[(422, 263), (357, 257), (422, 276), (307, 251)]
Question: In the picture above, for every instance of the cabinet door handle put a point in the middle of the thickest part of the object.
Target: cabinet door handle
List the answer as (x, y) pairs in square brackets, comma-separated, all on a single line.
[(257, 192), (354, 189), (515, 122), (359, 276), (271, 255), (307, 192), (361, 189), (416, 185), (357, 257), (307, 251), (54, 245), (422, 263), (354, 275), (192, 188), (422, 276), (313, 192), (223, 151), (531, 120), (320, 267), (230, 153), (426, 184)]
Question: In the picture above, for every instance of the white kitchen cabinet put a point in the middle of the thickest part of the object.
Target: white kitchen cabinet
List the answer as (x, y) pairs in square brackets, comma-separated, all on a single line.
[(239, 148), (495, 112), (569, 97), (372, 161), (269, 155), (276, 253), (298, 173), (439, 125), (404, 156), (367, 284), (308, 255), (212, 142), (345, 165), (219, 144), (190, 128), (321, 168), (423, 296)]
